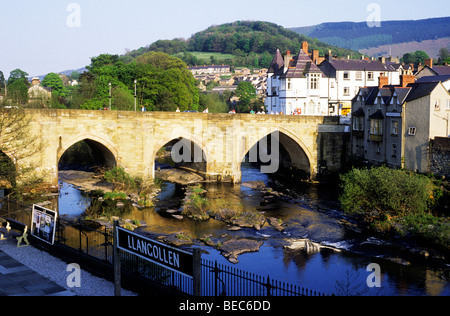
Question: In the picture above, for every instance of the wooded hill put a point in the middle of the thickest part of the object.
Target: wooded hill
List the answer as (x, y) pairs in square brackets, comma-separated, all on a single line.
[(357, 36), (251, 43)]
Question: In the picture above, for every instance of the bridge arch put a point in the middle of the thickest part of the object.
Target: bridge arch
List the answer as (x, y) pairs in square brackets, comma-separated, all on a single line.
[(299, 154), (198, 156), (103, 149)]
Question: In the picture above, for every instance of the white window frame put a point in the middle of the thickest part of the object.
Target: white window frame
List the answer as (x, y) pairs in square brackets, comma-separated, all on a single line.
[(412, 130)]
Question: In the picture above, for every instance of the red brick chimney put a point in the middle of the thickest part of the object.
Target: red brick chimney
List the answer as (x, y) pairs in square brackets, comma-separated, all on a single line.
[(407, 79), (287, 59), (315, 56), (383, 81), (429, 62), (305, 47)]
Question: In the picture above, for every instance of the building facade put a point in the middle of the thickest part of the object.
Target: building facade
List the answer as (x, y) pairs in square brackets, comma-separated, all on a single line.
[(295, 85), (394, 125), (347, 76), (300, 85)]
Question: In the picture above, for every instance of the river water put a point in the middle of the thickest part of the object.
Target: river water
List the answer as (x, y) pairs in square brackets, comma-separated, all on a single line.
[(311, 212)]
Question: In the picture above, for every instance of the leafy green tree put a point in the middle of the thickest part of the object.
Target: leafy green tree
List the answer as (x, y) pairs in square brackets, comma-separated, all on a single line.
[(444, 53), (18, 92), (246, 93), (214, 102), (421, 56), (416, 58), (165, 83), (17, 75), (2, 83), (54, 81)]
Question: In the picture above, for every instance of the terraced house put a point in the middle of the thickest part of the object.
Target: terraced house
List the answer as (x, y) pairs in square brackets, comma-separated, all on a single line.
[(394, 125), (299, 84)]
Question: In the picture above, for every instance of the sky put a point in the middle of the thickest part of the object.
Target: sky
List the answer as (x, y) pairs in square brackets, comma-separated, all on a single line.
[(44, 36)]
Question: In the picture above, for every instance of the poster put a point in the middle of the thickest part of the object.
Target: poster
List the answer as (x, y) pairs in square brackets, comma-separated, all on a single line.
[(43, 224)]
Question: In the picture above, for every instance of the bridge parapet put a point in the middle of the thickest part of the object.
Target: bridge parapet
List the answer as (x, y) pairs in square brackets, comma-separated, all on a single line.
[(132, 139)]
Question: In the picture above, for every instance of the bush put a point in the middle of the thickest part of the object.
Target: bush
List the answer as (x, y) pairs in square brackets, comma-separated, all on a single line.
[(382, 192), (121, 179)]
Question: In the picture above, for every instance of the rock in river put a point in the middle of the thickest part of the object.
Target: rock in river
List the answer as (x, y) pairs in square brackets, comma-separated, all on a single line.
[(231, 249)]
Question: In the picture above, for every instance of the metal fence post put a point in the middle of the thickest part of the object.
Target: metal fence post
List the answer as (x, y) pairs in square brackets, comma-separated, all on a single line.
[(197, 273), (116, 261)]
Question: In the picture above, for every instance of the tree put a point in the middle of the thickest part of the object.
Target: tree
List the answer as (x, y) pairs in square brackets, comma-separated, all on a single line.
[(416, 58), (165, 83), (2, 83), (17, 75), (421, 56), (246, 93), (444, 53), (17, 144), (55, 82), (18, 92)]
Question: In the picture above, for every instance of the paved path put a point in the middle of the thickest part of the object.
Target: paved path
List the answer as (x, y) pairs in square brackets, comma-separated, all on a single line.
[(18, 280)]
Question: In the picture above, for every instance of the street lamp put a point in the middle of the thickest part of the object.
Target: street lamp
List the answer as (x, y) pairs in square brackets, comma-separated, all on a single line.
[(135, 82)]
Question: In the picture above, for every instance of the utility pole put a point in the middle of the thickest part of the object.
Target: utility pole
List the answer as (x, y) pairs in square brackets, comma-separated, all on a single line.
[(110, 96), (135, 82)]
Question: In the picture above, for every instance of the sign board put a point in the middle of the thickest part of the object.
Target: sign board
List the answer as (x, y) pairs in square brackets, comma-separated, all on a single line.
[(43, 224), (171, 258)]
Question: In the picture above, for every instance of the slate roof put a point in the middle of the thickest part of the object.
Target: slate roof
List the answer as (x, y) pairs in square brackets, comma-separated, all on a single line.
[(331, 66), (277, 63), (419, 90), (387, 92), (301, 65), (441, 78), (441, 70)]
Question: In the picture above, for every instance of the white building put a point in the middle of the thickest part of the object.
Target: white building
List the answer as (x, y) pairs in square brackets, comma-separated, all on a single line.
[(347, 76), (296, 85)]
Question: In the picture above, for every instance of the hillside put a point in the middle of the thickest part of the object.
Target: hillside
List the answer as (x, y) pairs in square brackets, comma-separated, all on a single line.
[(361, 37), (249, 42)]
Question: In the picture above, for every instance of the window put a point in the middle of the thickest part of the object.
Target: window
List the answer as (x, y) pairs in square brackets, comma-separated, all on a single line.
[(359, 75), (394, 128), (358, 123), (370, 76), (376, 127), (437, 105), (346, 91), (346, 75), (314, 81), (412, 131), (289, 84)]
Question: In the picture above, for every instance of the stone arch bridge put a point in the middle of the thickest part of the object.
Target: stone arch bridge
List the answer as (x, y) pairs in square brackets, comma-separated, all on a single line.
[(132, 139)]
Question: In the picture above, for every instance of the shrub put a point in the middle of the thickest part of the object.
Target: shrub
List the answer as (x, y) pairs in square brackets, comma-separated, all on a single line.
[(121, 179), (383, 192)]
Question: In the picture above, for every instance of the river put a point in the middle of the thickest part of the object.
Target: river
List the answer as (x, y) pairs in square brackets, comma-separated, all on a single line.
[(311, 212)]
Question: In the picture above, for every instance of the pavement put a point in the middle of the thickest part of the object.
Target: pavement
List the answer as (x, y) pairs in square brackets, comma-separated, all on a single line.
[(17, 279)]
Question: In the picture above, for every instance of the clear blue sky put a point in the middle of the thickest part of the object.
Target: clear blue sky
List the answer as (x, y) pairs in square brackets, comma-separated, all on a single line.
[(43, 36)]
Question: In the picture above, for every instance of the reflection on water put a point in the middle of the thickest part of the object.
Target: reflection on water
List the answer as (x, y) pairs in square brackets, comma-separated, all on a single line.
[(71, 201), (311, 214)]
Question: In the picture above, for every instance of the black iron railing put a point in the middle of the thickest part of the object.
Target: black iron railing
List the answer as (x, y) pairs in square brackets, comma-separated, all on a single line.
[(216, 279)]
